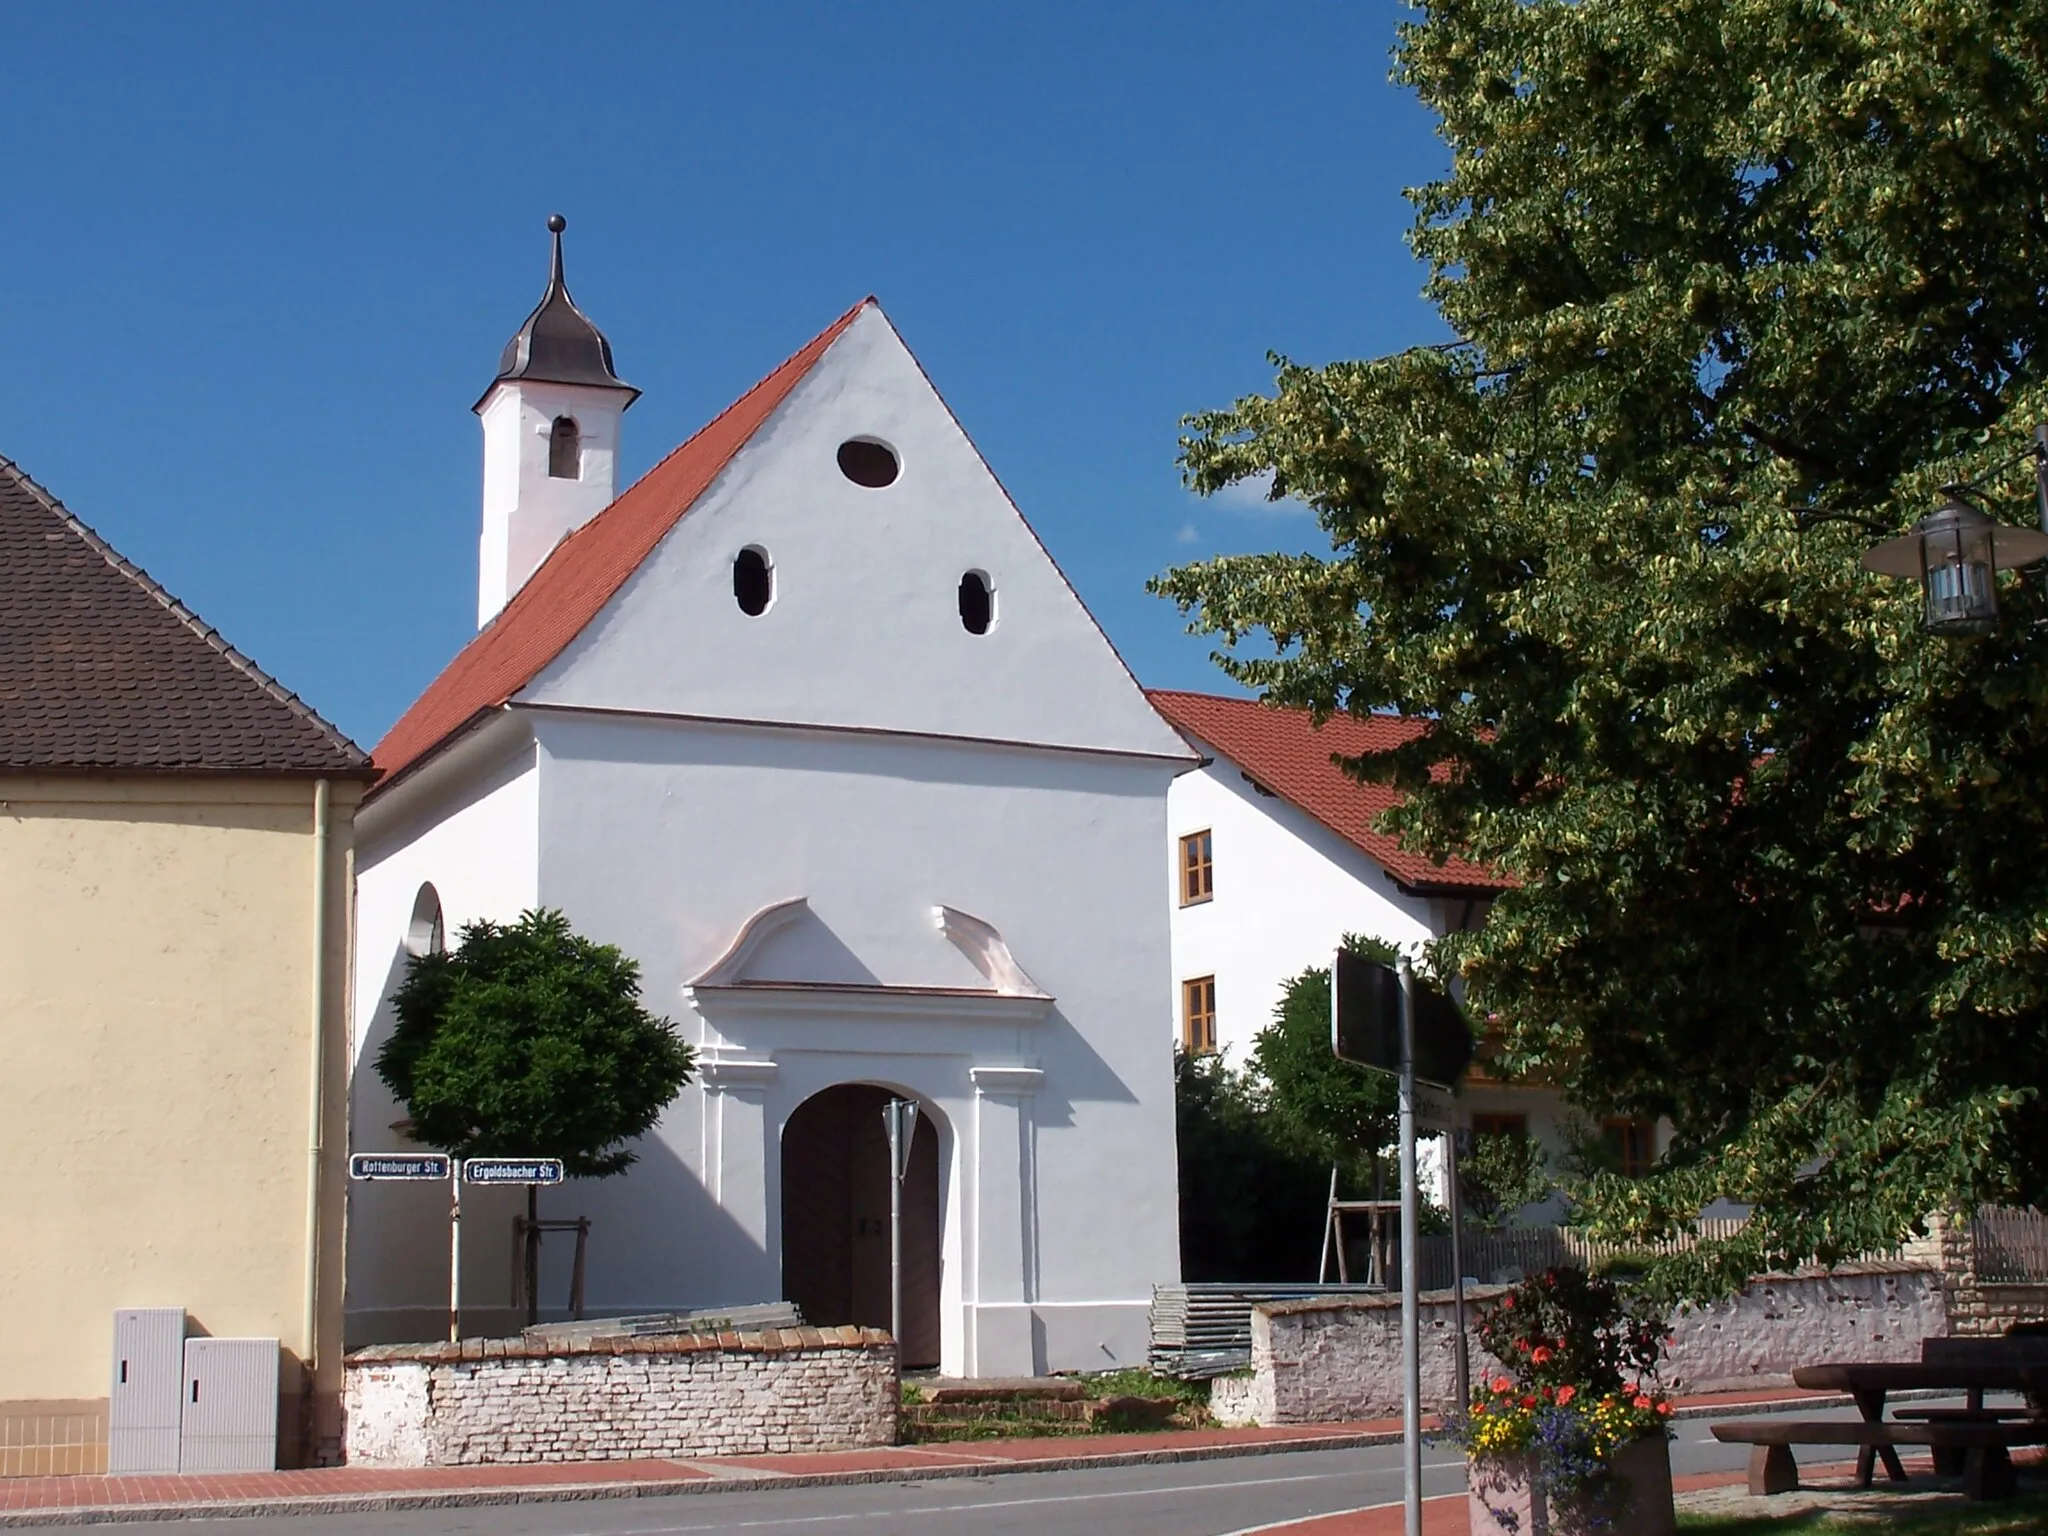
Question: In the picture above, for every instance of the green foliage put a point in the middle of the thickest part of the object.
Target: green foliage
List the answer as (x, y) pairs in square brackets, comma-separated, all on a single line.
[(1500, 1175), (1251, 1191), (528, 1041), (1565, 1327), (1737, 284), (1343, 1111)]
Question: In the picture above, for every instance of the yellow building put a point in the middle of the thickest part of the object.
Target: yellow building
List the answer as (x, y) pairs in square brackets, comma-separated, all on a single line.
[(175, 897)]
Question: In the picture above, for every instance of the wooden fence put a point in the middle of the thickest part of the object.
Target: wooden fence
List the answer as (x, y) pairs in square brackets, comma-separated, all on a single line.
[(2011, 1246), (1506, 1254)]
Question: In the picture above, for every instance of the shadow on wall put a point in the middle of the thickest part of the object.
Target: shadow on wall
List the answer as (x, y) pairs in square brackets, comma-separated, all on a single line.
[(658, 1242)]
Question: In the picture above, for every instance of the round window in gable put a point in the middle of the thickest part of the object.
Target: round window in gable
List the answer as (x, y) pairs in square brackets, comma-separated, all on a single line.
[(977, 603), (869, 462), (753, 581)]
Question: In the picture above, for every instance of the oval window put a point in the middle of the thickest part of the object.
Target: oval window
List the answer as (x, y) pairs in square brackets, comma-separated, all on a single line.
[(867, 462), (753, 581), (977, 603)]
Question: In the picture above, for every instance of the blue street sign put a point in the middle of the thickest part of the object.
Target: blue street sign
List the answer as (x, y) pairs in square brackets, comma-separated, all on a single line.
[(398, 1165), (512, 1170)]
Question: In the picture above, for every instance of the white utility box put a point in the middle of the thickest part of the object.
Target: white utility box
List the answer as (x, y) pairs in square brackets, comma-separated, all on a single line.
[(229, 1406), (143, 1410)]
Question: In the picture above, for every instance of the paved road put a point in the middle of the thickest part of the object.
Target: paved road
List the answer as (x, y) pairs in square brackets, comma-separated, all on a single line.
[(1204, 1498)]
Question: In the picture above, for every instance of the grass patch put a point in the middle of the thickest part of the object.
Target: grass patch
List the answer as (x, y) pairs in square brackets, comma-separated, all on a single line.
[(1138, 1382), (2025, 1516)]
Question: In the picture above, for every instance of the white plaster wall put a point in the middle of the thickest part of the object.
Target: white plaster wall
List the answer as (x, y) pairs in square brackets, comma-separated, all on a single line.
[(1060, 1204), (1287, 891), (864, 629), (469, 826), (527, 511), (387, 1407)]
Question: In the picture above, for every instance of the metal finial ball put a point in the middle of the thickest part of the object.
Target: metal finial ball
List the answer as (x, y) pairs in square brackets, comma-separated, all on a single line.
[(557, 223)]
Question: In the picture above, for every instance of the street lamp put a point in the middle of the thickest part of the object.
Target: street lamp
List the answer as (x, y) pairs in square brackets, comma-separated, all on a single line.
[(1956, 552)]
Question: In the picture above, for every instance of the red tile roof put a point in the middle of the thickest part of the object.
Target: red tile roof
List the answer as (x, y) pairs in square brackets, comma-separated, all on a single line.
[(1284, 751), (585, 569)]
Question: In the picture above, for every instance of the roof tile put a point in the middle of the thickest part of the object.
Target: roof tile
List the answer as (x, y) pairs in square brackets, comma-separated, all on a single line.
[(1285, 751), (585, 570), (102, 669)]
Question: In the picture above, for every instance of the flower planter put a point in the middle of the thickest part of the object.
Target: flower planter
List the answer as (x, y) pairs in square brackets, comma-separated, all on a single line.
[(1505, 1501)]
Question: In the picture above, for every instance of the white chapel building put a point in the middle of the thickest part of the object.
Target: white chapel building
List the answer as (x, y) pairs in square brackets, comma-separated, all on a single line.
[(809, 724)]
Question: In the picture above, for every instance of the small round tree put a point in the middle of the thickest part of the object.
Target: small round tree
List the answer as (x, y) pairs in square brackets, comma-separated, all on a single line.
[(530, 1041)]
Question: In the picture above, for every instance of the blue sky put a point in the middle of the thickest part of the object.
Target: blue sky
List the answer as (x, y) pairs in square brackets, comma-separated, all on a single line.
[(260, 260)]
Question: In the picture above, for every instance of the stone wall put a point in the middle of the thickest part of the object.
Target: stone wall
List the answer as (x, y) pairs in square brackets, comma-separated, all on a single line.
[(1320, 1362), (513, 1400), (1976, 1308)]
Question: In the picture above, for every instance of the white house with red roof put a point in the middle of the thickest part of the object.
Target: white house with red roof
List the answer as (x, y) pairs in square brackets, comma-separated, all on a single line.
[(809, 724), (1274, 858)]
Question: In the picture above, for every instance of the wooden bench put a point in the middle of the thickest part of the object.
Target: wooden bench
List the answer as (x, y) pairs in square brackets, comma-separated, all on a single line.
[(1986, 1469), (1948, 1459)]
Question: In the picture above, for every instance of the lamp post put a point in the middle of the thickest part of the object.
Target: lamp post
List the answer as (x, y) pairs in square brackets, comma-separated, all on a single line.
[(1956, 552)]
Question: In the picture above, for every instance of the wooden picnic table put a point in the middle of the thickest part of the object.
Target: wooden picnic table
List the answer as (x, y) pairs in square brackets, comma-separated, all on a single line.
[(1868, 1382)]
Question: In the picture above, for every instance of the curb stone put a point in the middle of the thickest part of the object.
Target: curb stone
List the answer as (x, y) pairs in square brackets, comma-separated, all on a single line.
[(751, 1480)]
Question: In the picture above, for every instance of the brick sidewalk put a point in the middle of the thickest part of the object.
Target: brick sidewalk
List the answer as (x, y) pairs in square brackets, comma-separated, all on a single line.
[(76, 1500)]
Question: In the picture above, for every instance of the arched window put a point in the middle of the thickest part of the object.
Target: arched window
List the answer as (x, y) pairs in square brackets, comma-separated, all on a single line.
[(425, 934), (565, 449)]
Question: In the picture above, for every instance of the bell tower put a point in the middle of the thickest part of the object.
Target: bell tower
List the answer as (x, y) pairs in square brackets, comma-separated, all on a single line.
[(551, 439)]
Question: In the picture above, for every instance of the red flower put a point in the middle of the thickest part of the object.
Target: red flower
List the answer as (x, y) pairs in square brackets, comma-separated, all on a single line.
[(1665, 1409), (1502, 1384), (1565, 1394), (1529, 1401), (1643, 1402), (1507, 1302), (1542, 1355)]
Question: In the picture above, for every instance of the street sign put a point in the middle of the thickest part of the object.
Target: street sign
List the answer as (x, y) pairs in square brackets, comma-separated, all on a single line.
[(398, 1165), (899, 1121), (1435, 1111), (512, 1170), (1365, 1022)]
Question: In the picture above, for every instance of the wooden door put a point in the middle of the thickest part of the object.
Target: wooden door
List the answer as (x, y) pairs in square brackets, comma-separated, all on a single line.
[(835, 1218)]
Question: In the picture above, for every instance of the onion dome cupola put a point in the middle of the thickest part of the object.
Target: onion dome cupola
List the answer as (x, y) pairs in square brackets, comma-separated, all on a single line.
[(551, 422), (558, 344)]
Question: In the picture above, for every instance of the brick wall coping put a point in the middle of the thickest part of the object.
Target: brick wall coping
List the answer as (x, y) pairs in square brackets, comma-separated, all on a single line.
[(1478, 1293), (767, 1341)]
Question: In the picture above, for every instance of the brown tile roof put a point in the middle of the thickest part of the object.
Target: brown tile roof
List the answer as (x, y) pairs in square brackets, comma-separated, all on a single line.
[(1284, 751), (102, 669), (585, 569)]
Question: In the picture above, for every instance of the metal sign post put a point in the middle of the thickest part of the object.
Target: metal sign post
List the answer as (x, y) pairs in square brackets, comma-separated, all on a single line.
[(455, 1257), (1463, 1358), (899, 1119), (1411, 1242)]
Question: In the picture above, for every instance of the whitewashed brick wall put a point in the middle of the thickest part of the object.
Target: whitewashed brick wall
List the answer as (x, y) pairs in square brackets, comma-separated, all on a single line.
[(508, 1400), (1324, 1362)]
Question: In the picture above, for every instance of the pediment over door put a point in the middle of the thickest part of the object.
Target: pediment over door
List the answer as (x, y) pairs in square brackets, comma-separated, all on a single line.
[(785, 960)]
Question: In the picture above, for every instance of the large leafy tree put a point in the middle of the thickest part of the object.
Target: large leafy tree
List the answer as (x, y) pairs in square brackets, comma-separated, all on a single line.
[(1735, 286)]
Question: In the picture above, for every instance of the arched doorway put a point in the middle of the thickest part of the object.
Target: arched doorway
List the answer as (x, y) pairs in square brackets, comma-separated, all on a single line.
[(835, 1218)]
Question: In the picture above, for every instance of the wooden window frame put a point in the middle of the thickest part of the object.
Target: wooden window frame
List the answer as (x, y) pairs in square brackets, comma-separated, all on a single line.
[(1502, 1123), (1198, 1015), (1619, 1133), (1197, 875)]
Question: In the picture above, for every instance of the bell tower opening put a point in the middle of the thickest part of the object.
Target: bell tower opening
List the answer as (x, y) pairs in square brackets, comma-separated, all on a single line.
[(565, 449)]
